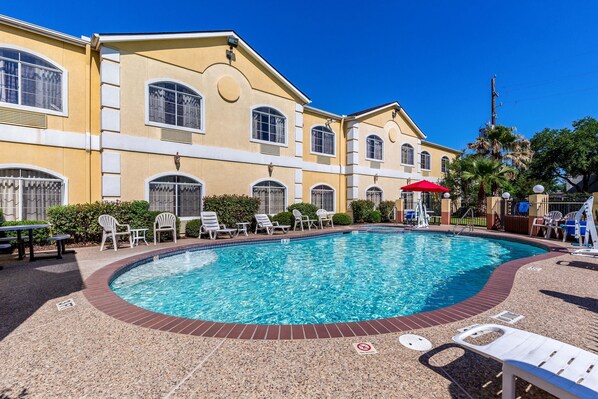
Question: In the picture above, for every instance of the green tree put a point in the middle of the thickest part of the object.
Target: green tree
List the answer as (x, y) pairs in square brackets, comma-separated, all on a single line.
[(566, 154), (453, 179), (502, 144), (489, 175)]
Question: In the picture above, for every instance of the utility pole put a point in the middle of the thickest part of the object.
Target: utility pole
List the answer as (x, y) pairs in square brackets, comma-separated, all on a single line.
[(494, 94)]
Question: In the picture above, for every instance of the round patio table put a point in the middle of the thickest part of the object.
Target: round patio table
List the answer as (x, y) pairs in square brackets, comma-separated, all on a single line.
[(19, 230)]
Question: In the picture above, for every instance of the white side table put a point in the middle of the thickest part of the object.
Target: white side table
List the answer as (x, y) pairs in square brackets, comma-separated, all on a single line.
[(242, 227), (138, 235)]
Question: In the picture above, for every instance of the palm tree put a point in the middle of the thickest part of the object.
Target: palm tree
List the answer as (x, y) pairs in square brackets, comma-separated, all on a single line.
[(501, 144), (489, 175)]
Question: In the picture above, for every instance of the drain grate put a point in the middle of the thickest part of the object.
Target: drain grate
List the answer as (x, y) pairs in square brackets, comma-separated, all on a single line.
[(534, 268), (508, 317), (415, 342), (69, 303), (477, 334)]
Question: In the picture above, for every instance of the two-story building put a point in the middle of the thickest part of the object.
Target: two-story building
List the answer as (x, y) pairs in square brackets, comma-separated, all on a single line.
[(173, 117)]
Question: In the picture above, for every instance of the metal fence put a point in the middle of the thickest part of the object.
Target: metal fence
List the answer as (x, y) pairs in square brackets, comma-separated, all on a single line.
[(478, 219)]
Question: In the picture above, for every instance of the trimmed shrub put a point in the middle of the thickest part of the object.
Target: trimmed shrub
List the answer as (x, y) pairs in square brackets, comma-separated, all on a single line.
[(40, 236), (232, 209), (341, 219), (374, 217), (385, 209), (192, 228), (284, 218), (305, 209), (361, 210)]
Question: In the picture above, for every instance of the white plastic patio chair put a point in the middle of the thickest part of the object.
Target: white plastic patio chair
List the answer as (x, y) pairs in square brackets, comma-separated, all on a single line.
[(552, 220), (164, 222), (301, 220), (211, 227), (264, 223), (323, 218), (570, 217), (558, 368), (110, 230)]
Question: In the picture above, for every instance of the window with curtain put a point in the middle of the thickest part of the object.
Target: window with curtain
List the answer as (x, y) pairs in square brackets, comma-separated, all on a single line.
[(25, 194), (374, 194), (180, 195), (375, 148), (268, 125), (322, 140), (444, 164), (426, 160), (30, 81), (173, 104), (272, 196), (322, 196), (407, 154), (409, 199)]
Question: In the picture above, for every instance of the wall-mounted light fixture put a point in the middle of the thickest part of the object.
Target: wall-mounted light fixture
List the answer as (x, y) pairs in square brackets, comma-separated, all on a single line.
[(270, 169), (376, 178), (177, 161), (329, 121), (395, 112), (232, 42)]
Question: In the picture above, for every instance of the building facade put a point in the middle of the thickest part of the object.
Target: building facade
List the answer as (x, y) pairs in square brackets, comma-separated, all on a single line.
[(173, 117)]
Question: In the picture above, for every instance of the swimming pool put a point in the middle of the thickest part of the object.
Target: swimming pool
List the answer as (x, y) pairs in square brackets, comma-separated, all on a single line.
[(334, 278)]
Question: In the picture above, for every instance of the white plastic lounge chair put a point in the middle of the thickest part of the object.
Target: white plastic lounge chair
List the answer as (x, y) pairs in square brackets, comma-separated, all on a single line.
[(165, 221), (323, 218), (264, 223), (110, 230), (301, 220), (211, 227), (549, 222), (558, 368)]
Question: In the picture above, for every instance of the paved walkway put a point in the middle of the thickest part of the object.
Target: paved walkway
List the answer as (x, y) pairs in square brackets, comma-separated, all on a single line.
[(82, 352)]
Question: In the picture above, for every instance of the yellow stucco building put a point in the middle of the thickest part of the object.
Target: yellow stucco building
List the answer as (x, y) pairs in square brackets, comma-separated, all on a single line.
[(173, 117)]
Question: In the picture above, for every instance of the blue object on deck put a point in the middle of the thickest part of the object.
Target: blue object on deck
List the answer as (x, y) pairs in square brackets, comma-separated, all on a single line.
[(570, 227), (523, 207)]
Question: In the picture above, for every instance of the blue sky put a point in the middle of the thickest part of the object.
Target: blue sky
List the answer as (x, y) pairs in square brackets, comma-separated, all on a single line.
[(435, 57)]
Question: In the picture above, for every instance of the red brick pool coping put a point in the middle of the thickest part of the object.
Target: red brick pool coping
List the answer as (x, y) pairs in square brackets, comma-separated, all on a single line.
[(496, 290)]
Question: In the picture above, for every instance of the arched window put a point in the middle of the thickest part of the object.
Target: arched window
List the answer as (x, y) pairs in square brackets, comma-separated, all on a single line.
[(409, 200), (173, 104), (375, 148), (426, 160), (29, 81), (322, 196), (444, 164), (272, 196), (177, 194), (322, 140), (25, 194), (374, 194), (267, 124), (407, 154)]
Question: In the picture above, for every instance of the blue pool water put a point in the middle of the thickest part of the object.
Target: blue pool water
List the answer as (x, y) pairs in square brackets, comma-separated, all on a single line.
[(335, 278)]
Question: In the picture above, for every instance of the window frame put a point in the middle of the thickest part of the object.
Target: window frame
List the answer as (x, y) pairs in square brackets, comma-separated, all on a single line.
[(367, 158), (202, 105), (401, 155), (283, 186), (311, 147), (442, 166), (421, 160), (65, 78), (330, 188), (286, 126), (200, 182), (375, 188)]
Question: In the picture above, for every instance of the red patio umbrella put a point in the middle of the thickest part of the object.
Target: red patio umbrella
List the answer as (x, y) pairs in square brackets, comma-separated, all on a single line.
[(425, 187)]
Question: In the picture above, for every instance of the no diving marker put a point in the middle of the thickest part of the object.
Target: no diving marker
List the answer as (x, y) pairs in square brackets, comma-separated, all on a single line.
[(365, 348)]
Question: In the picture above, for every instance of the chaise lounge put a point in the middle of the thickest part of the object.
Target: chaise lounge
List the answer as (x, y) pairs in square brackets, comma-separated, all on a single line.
[(264, 223), (211, 227)]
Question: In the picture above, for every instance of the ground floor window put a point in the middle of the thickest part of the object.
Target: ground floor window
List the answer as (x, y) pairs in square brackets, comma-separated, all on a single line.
[(322, 196), (374, 194), (272, 196), (25, 194), (409, 200), (180, 195)]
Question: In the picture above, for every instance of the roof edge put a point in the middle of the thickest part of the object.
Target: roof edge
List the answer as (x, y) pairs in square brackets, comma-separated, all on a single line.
[(17, 23), (440, 146), (322, 112), (394, 104)]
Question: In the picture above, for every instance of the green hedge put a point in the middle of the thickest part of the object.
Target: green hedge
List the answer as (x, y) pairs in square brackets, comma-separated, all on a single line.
[(192, 228), (284, 218), (385, 209), (305, 209), (341, 219), (232, 209), (40, 236), (361, 210), (374, 217)]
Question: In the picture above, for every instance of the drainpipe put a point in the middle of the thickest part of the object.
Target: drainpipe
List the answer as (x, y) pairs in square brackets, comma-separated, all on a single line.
[(340, 163)]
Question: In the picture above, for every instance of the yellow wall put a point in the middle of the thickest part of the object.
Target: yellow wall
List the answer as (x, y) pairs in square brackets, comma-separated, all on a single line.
[(312, 119), (437, 154), (336, 181)]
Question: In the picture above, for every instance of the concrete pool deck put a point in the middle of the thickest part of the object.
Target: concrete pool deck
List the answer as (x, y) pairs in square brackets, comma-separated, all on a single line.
[(82, 352)]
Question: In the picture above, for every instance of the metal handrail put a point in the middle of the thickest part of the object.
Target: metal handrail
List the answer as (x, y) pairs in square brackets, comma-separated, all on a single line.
[(468, 226)]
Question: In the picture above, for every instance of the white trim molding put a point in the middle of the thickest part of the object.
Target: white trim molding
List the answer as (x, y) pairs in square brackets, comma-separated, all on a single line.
[(286, 126), (333, 194), (65, 180), (366, 147), (148, 180), (311, 141), (52, 138)]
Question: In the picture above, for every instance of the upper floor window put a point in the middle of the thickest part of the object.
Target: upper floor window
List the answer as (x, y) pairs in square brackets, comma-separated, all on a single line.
[(375, 148), (29, 81), (374, 194), (176, 194), (407, 154), (272, 196), (172, 104), (322, 196), (444, 164), (322, 140), (267, 124), (426, 160), (25, 194)]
